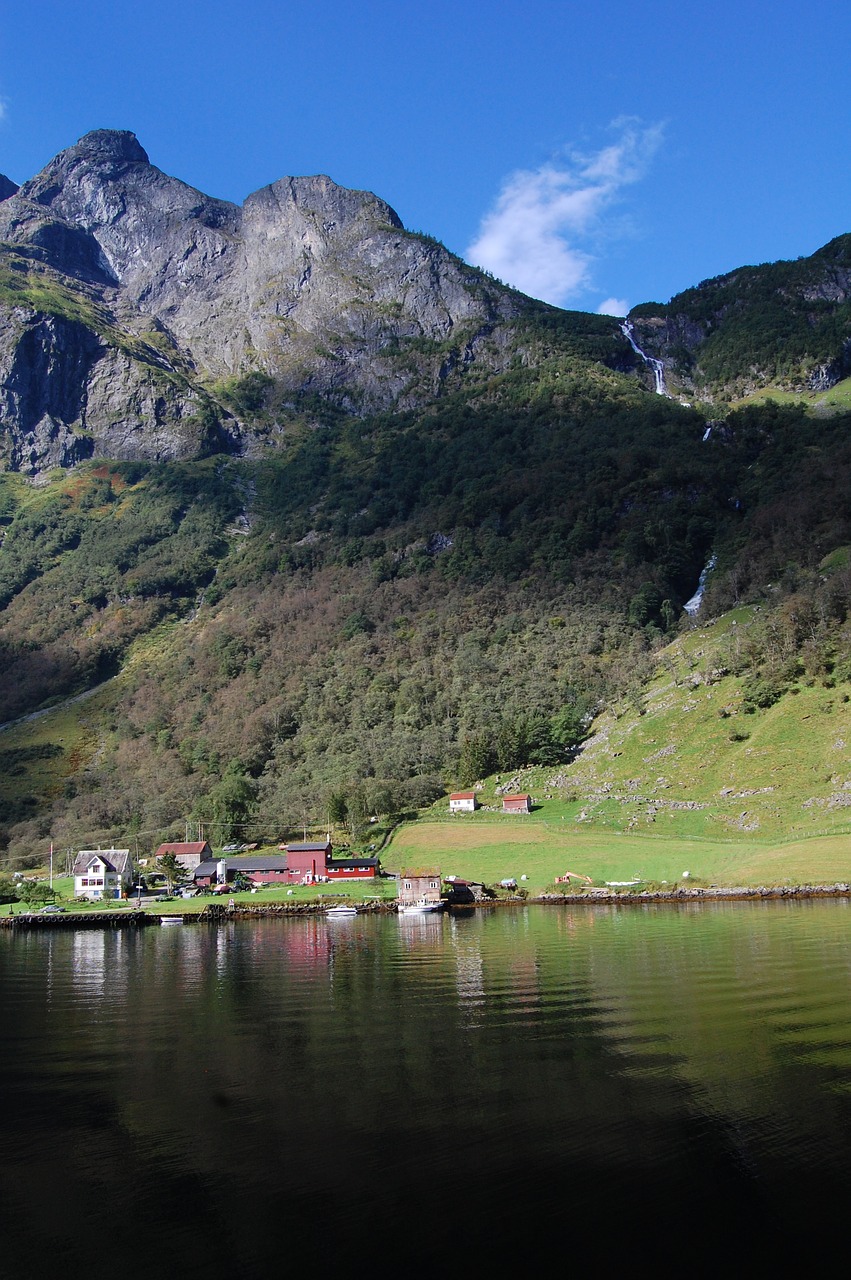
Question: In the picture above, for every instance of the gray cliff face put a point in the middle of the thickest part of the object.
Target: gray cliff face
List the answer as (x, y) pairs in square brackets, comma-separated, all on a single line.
[(316, 286)]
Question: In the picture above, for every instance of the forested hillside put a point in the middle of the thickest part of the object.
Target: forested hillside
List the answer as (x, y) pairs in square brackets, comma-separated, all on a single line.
[(314, 587), (391, 607), (784, 325)]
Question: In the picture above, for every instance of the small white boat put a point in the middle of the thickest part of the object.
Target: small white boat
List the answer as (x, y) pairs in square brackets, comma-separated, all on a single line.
[(341, 911), (171, 919), (418, 908)]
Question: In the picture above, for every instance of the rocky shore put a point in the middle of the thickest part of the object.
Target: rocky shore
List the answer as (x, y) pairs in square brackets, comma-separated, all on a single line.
[(218, 912), (715, 893)]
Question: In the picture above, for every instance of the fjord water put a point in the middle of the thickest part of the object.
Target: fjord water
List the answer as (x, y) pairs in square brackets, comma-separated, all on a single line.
[(519, 1087)]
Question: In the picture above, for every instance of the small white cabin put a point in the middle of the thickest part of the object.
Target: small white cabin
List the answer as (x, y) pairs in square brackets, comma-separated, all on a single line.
[(463, 802)]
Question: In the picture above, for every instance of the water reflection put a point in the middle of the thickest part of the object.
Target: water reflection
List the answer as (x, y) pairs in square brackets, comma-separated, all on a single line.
[(285, 1078)]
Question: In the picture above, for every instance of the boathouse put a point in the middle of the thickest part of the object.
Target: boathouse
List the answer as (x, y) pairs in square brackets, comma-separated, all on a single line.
[(421, 885)]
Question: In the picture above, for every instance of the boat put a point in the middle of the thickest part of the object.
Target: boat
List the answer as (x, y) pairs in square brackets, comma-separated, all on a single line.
[(419, 907), (171, 919), (341, 911)]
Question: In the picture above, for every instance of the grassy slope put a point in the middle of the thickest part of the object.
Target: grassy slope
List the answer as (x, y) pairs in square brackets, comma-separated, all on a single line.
[(662, 787)]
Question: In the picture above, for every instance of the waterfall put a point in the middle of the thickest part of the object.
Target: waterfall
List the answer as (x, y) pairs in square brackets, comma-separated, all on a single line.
[(656, 365), (691, 606)]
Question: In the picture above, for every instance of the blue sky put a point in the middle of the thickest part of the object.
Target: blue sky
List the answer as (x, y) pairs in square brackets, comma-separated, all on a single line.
[(588, 153)]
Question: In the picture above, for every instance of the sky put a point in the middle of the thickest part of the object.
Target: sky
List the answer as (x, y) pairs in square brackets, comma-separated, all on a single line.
[(593, 155)]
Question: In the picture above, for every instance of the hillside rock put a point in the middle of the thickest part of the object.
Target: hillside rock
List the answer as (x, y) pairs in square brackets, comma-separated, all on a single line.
[(783, 324), (318, 288)]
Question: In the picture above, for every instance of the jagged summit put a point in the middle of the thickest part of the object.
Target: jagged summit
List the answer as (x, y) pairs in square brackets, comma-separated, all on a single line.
[(104, 145), (310, 285), (7, 187)]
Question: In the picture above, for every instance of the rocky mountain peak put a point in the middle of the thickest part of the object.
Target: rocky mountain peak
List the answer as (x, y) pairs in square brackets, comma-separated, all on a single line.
[(107, 145), (7, 187), (163, 293), (100, 156), (331, 206)]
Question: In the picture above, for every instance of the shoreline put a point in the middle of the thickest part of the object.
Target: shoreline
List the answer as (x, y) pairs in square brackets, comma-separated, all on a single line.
[(217, 913)]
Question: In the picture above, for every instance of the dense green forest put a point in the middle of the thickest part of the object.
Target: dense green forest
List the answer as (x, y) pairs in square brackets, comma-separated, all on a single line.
[(386, 607)]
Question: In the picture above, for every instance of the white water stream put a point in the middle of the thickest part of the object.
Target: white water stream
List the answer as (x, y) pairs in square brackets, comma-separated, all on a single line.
[(654, 364), (691, 606)]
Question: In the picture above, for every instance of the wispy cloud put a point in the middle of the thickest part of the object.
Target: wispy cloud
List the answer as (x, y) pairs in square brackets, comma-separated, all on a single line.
[(4, 108), (613, 307), (540, 234)]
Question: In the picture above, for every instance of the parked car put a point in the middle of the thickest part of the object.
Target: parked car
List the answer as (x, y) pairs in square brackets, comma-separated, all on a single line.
[(51, 910)]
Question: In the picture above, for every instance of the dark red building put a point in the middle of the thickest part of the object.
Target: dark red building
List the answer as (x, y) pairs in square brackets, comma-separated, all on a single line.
[(307, 863)]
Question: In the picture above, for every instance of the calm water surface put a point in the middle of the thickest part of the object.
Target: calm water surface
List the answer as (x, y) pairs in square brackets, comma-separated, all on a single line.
[(535, 1088)]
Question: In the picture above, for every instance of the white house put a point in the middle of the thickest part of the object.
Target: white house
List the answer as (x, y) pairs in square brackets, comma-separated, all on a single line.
[(102, 873), (463, 802)]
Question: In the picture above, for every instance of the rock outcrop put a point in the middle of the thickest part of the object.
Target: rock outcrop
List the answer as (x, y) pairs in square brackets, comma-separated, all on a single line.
[(129, 299)]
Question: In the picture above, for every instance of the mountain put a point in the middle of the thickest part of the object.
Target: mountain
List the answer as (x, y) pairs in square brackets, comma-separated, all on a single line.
[(782, 325), (143, 319), (302, 516)]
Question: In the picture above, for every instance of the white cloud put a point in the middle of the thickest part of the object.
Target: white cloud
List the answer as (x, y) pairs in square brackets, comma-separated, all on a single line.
[(4, 107), (539, 234), (613, 307)]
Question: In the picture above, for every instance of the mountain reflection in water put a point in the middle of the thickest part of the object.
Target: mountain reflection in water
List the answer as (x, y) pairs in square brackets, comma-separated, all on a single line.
[(531, 1087)]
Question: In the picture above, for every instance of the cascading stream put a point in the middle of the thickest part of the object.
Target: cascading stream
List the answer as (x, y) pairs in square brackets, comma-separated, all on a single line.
[(654, 364), (693, 605)]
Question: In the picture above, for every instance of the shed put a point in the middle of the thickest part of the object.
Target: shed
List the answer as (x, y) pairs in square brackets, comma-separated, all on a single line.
[(271, 869), (517, 804)]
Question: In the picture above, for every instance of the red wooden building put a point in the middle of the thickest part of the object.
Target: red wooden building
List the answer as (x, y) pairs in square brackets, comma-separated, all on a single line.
[(517, 804), (307, 863), (311, 862)]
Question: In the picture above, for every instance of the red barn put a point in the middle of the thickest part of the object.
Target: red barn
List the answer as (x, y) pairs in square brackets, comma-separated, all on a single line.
[(517, 804), (311, 861), (307, 861)]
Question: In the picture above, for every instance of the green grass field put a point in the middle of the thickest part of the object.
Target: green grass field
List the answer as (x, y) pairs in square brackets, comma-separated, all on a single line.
[(478, 848)]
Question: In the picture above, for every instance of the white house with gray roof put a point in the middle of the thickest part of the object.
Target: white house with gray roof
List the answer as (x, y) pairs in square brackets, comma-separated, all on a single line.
[(102, 873)]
